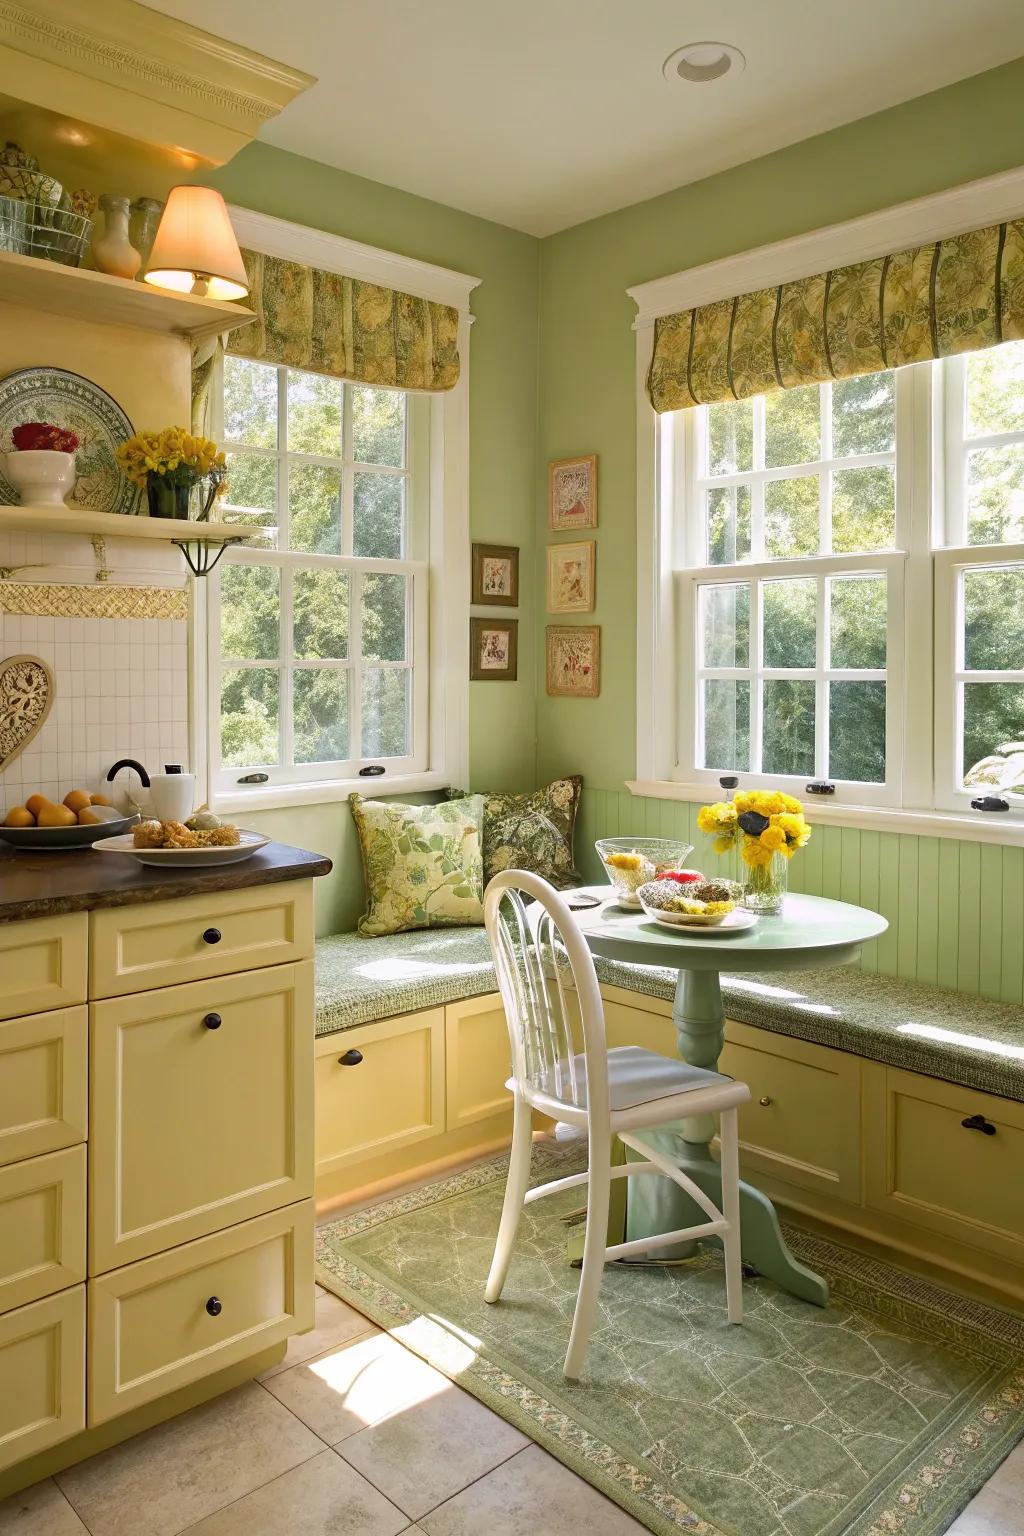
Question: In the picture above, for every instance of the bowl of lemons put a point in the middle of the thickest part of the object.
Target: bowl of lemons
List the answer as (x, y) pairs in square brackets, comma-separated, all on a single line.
[(77, 821)]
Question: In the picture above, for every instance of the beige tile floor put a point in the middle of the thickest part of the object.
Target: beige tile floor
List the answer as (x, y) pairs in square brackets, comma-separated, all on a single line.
[(353, 1435)]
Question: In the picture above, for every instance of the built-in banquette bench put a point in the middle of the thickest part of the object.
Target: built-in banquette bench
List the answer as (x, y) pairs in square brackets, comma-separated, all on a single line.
[(892, 1110)]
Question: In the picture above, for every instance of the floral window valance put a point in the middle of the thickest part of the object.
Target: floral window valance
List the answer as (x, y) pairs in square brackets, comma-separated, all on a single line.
[(326, 323), (955, 295)]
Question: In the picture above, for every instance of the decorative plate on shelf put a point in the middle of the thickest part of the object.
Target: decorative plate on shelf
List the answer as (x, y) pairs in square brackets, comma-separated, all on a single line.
[(68, 400)]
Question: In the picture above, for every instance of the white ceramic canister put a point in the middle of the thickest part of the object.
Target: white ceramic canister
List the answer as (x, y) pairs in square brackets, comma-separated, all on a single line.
[(172, 794)]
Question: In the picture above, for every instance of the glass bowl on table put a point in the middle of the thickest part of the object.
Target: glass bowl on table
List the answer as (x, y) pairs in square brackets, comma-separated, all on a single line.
[(630, 862)]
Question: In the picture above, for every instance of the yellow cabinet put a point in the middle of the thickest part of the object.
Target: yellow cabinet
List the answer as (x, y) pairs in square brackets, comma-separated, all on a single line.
[(42, 1226), (202, 1109), (43, 964), (169, 1320), (926, 1165), (167, 942), (43, 1100), (803, 1121), (378, 1088), (42, 1374), (477, 1061)]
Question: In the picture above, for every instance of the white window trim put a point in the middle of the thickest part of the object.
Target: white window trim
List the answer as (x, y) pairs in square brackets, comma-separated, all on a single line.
[(449, 563), (659, 476)]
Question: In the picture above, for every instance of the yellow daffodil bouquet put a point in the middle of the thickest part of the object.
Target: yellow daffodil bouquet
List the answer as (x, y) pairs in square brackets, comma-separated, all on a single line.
[(762, 823), (169, 464)]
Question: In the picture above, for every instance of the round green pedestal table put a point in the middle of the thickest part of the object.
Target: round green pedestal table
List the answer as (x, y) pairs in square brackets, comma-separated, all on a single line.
[(811, 932)]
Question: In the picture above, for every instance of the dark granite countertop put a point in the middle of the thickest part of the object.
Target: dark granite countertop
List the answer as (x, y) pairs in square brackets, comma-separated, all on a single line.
[(46, 884)]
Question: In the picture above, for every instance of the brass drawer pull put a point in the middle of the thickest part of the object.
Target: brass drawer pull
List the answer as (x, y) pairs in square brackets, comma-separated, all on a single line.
[(212, 1020), (765, 1100), (211, 936), (215, 1306), (351, 1058), (978, 1123)]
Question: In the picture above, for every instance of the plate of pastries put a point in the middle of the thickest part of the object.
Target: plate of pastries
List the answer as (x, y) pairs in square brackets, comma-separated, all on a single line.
[(200, 840)]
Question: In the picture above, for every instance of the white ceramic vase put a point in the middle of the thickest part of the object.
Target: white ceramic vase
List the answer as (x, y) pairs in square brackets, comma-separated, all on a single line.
[(41, 476), (113, 251)]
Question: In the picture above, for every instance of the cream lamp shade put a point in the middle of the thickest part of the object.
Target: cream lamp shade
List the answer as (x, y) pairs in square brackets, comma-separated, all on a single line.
[(195, 250)]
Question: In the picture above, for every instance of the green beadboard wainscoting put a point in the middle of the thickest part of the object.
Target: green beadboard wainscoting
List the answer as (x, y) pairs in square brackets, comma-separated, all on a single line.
[(955, 909)]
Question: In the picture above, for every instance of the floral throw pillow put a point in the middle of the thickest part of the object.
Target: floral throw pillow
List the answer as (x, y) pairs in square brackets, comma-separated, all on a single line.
[(422, 864), (533, 832)]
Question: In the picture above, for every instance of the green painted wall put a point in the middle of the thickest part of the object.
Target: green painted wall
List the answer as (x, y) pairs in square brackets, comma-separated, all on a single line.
[(587, 401), (503, 451)]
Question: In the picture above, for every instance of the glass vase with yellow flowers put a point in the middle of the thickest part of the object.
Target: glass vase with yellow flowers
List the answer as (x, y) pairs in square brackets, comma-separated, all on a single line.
[(768, 827), (168, 466)]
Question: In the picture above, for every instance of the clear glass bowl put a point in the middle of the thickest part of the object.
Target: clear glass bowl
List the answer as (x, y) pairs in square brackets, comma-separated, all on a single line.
[(642, 859)]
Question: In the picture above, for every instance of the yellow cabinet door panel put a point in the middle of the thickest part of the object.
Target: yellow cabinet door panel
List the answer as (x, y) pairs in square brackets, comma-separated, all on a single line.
[(477, 1061), (391, 1096), (43, 964), (43, 1097), (202, 1106), (163, 943), (158, 1325), (42, 1226), (42, 1374), (925, 1165), (808, 1131)]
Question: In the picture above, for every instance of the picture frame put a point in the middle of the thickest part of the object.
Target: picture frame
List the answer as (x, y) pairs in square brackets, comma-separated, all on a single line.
[(573, 661), (572, 493), (571, 580), (496, 575), (493, 650)]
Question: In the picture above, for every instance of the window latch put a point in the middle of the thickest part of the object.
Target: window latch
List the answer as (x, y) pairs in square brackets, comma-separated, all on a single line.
[(821, 787), (372, 771), (990, 803), (254, 778)]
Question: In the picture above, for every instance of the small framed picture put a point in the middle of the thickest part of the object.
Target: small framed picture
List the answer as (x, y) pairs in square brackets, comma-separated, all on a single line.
[(496, 574), (493, 650), (572, 493), (573, 661), (571, 573)]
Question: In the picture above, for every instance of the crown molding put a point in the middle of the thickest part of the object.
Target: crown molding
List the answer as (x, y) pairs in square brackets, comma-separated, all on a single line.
[(122, 66), (990, 200), (334, 253)]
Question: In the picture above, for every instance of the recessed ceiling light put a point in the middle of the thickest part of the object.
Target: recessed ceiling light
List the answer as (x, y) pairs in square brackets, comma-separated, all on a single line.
[(700, 63)]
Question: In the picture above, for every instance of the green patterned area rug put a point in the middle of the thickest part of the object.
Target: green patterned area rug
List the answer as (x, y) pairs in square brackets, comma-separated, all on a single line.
[(880, 1416)]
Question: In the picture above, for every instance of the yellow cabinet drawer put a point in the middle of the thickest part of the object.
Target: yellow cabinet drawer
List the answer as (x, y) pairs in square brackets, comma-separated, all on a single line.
[(43, 1100), (803, 1121), (42, 1226), (926, 1166), (159, 945), (43, 964), (42, 1374), (202, 1105), (477, 1061), (393, 1094), (161, 1324)]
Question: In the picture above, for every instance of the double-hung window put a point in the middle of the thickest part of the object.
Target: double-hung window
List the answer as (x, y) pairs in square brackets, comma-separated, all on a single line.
[(792, 577), (844, 574), (320, 636)]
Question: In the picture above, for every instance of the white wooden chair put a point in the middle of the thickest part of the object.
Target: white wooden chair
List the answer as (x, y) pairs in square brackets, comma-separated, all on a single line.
[(542, 960)]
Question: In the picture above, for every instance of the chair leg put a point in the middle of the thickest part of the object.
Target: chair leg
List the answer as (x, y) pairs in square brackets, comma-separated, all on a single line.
[(729, 1134), (598, 1193), (515, 1192)]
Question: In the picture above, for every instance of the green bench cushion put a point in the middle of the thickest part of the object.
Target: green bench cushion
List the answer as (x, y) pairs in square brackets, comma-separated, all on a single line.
[(950, 1035)]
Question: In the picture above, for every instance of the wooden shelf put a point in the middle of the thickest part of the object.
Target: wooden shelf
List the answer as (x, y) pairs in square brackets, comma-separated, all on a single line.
[(85, 295), (110, 525)]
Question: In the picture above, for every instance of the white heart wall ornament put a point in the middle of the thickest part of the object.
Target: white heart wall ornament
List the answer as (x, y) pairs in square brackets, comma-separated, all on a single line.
[(26, 694)]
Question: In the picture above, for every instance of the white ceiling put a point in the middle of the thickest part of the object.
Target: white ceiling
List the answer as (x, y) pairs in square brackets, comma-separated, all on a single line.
[(542, 113)]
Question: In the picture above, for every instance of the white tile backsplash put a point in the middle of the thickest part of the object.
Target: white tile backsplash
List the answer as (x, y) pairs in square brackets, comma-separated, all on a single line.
[(121, 690)]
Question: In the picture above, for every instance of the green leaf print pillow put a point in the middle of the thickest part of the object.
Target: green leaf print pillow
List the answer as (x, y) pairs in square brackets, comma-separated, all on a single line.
[(423, 864)]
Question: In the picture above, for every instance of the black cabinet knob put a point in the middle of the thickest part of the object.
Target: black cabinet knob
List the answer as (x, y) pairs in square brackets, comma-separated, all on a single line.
[(211, 936), (212, 1020), (215, 1306), (351, 1058), (978, 1123)]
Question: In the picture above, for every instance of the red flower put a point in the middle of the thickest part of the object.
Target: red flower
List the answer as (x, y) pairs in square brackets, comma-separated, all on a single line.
[(35, 435)]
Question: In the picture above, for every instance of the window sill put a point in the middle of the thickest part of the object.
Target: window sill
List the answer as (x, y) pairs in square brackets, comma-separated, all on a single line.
[(1004, 827), (273, 797)]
